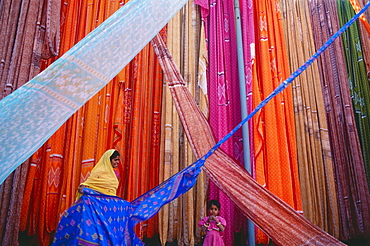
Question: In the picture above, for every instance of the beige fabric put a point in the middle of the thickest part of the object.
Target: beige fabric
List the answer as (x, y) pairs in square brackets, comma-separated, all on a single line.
[(314, 155), (178, 219)]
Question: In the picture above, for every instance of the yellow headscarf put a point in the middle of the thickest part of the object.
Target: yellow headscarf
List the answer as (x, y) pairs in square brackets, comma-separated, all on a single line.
[(102, 178)]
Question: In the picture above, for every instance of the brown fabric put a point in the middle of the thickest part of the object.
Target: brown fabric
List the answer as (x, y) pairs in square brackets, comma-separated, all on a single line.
[(314, 154), (29, 31), (353, 194), (11, 196), (279, 221), (178, 219)]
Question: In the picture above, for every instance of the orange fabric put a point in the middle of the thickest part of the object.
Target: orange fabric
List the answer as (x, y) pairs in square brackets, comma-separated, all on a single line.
[(137, 128), (69, 155), (274, 127), (356, 6)]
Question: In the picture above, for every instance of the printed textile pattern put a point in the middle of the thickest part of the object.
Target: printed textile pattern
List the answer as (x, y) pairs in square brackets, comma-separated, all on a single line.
[(316, 174), (224, 97), (56, 93), (280, 222), (98, 219)]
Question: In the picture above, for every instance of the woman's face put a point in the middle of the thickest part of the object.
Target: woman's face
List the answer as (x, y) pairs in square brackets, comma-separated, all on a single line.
[(115, 161), (213, 210)]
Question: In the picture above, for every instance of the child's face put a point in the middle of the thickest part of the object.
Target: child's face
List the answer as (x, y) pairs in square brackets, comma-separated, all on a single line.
[(213, 210)]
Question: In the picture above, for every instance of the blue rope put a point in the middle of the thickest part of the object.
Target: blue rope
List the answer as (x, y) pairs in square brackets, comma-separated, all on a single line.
[(289, 80)]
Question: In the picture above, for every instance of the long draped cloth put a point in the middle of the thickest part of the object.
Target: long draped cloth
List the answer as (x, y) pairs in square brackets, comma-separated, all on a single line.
[(277, 219), (276, 167), (316, 173), (352, 189), (60, 90), (104, 122), (64, 162), (224, 96), (98, 219)]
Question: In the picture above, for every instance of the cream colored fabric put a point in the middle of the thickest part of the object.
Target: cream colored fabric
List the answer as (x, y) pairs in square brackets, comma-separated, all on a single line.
[(178, 219), (314, 154)]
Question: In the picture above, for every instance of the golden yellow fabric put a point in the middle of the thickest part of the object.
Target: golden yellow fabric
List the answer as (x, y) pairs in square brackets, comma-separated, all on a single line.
[(102, 178)]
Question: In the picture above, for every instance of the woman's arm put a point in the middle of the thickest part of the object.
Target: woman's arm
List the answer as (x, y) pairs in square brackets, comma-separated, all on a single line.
[(81, 189)]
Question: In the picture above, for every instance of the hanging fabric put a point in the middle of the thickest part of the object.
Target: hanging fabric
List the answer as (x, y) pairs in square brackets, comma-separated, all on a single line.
[(224, 97), (351, 185), (104, 122), (29, 32), (357, 79), (276, 218), (276, 168), (316, 173), (178, 219)]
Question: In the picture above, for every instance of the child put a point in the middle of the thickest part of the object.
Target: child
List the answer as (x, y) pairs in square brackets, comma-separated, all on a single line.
[(213, 225)]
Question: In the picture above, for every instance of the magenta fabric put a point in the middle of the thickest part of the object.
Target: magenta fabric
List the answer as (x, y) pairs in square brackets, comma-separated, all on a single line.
[(214, 237), (224, 98)]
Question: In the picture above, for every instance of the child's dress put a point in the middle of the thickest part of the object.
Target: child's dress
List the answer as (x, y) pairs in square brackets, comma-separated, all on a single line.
[(214, 235)]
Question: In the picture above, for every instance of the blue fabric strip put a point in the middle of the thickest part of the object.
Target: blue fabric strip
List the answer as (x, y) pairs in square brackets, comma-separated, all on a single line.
[(32, 113)]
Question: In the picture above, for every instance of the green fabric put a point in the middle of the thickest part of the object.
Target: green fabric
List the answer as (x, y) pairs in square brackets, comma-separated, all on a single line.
[(357, 79)]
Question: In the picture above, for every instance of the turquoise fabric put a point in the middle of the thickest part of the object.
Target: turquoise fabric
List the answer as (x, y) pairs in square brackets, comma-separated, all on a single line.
[(32, 113)]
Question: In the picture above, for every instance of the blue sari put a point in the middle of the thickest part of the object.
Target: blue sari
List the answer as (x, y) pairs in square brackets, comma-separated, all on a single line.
[(99, 219)]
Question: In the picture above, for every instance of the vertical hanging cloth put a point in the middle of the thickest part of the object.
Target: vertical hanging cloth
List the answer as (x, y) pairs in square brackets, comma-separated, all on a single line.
[(357, 79), (351, 185), (316, 172), (281, 223), (224, 96)]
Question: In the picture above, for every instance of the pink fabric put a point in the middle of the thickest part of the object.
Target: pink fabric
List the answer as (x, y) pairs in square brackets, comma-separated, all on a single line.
[(277, 219), (213, 234), (224, 97), (247, 22)]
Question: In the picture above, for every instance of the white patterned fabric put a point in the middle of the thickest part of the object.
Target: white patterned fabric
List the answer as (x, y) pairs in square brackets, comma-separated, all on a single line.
[(31, 114)]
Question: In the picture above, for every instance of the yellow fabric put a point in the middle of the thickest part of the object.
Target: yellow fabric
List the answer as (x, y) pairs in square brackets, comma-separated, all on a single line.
[(102, 178)]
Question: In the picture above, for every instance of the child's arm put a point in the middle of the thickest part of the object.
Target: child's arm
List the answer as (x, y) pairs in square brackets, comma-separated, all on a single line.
[(220, 226), (204, 224), (220, 223)]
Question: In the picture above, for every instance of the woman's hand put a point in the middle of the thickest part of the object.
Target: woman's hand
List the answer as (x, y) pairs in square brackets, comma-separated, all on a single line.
[(81, 189)]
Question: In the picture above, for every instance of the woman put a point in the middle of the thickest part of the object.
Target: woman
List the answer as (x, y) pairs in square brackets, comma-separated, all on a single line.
[(103, 178), (99, 217)]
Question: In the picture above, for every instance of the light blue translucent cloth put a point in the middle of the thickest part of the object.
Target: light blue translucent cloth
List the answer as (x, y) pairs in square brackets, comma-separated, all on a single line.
[(31, 114)]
